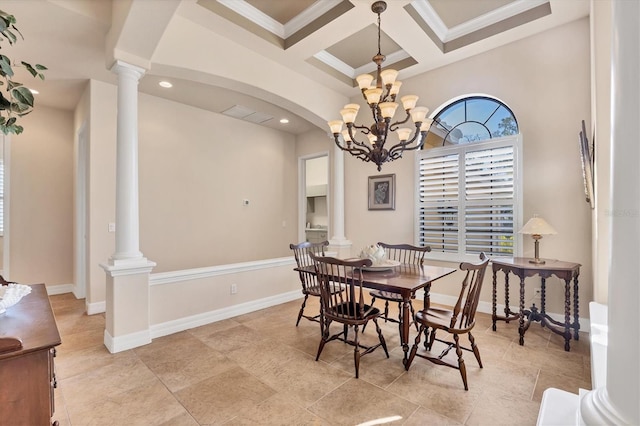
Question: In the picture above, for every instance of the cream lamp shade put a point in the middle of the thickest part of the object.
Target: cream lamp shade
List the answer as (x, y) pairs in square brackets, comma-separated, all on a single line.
[(537, 227)]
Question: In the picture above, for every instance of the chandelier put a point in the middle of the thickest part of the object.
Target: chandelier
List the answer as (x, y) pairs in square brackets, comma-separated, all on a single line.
[(381, 99)]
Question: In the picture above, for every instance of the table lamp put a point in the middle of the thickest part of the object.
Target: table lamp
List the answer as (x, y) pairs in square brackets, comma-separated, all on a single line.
[(537, 227)]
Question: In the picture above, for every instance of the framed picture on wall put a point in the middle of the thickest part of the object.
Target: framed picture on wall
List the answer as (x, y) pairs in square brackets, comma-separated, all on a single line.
[(382, 192), (587, 157)]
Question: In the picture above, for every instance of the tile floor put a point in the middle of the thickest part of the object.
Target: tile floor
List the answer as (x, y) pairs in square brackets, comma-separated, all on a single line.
[(260, 369)]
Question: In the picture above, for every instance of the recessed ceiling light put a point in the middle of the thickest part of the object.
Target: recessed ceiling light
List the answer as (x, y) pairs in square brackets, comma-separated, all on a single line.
[(165, 84), (35, 92), (284, 120)]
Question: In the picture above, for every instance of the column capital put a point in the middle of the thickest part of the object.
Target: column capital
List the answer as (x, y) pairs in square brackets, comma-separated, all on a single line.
[(121, 67)]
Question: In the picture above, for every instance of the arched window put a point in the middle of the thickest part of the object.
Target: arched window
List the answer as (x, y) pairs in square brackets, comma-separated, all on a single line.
[(471, 119), (468, 180)]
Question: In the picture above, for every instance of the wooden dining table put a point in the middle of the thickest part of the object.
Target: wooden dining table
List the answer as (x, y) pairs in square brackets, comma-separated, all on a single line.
[(405, 280)]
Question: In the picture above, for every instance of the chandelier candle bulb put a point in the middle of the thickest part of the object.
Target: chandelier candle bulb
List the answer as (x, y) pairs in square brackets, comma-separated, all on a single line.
[(388, 109), (388, 77), (426, 124), (336, 126), (352, 106), (348, 115), (364, 81), (395, 88), (403, 133), (373, 95), (346, 137), (418, 114), (409, 102)]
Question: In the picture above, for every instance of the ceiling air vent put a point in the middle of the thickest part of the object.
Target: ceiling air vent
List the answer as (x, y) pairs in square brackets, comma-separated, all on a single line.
[(247, 114)]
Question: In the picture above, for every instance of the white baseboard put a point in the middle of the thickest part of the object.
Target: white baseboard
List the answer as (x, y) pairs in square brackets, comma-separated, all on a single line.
[(126, 342), (59, 289), (175, 326), (96, 308)]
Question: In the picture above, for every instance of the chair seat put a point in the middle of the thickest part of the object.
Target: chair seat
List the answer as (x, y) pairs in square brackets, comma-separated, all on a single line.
[(435, 317), (314, 290), (386, 295), (347, 309)]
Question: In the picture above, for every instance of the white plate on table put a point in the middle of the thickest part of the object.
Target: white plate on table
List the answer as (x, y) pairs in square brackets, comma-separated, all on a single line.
[(383, 266)]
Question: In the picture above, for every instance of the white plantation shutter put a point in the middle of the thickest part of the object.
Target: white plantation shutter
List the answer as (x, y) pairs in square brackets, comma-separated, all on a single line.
[(438, 202), (467, 198), (489, 197)]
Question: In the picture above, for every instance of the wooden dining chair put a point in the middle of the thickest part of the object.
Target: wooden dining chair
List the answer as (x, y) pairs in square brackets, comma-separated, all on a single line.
[(459, 320), (346, 307), (308, 280), (403, 253)]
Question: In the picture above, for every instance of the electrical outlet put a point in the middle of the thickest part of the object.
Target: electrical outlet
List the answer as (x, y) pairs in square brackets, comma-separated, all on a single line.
[(537, 293), (234, 289)]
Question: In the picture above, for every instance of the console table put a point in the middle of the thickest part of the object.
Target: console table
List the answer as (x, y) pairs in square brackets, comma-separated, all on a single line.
[(28, 336), (523, 268)]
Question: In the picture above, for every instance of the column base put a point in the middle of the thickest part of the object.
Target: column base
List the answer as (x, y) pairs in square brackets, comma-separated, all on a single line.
[(596, 409), (127, 304)]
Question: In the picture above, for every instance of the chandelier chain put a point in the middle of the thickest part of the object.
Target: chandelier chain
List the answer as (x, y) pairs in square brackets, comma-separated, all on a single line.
[(381, 99)]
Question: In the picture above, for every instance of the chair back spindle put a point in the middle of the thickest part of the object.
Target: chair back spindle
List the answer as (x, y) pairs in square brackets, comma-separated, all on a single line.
[(308, 279), (405, 253), (469, 297)]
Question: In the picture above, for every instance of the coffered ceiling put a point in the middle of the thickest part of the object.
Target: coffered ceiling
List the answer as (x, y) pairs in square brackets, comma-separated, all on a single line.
[(326, 42)]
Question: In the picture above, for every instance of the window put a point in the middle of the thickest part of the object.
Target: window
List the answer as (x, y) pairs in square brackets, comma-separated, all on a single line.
[(468, 185)]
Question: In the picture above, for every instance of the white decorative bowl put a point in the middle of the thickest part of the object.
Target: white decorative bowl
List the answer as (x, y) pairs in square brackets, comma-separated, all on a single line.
[(11, 294), (374, 252)]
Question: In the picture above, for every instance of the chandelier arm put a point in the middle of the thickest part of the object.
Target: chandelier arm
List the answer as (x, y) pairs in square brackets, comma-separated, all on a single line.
[(355, 141), (352, 149), (356, 152), (400, 147), (395, 125), (364, 129)]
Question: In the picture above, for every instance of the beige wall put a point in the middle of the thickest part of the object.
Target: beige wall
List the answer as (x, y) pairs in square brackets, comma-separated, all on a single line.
[(545, 80), (41, 206), (196, 167), (102, 184)]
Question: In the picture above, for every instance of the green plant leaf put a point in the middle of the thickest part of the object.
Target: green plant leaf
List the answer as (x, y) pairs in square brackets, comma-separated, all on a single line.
[(30, 68), (10, 36), (11, 121), (41, 67), (12, 84), (5, 65), (4, 102), (23, 95), (13, 27)]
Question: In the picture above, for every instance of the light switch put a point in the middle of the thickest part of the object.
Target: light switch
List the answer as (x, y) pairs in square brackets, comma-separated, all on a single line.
[(112, 227)]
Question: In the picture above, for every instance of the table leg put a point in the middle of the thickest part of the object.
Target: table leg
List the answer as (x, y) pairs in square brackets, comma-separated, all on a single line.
[(521, 319), (507, 309), (576, 316), (567, 313), (543, 287), (404, 332), (494, 301)]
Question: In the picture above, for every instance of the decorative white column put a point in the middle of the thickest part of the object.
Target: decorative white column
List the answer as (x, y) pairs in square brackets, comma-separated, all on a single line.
[(617, 402), (127, 217), (339, 240), (127, 292)]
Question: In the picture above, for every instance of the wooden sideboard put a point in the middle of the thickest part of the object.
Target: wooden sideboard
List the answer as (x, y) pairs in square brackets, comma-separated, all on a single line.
[(27, 377)]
